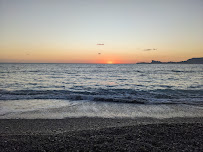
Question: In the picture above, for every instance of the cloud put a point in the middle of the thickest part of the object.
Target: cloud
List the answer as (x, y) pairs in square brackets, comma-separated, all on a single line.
[(149, 49), (100, 44)]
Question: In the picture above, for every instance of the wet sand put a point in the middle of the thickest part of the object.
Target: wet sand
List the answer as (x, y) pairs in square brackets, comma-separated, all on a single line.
[(102, 134)]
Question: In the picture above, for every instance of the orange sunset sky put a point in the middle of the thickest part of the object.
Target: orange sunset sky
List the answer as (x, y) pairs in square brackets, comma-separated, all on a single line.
[(68, 31)]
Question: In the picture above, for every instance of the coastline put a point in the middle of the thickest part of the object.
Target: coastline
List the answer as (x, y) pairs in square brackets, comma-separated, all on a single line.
[(102, 134), (61, 109)]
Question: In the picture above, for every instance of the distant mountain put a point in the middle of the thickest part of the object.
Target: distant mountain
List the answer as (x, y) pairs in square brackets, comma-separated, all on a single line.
[(189, 61)]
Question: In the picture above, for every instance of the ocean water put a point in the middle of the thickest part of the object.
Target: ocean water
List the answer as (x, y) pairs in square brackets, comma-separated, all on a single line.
[(32, 87)]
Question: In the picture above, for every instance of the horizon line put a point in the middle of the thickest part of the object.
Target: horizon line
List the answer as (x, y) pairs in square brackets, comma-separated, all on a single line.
[(86, 63), (57, 63)]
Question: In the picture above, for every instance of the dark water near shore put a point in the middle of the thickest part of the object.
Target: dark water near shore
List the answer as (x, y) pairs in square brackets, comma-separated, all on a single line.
[(97, 82)]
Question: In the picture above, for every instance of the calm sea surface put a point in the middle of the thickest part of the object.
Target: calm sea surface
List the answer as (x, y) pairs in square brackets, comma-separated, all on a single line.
[(120, 83)]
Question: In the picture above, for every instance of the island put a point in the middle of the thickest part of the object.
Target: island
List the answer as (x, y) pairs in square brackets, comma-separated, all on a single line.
[(189, 61)]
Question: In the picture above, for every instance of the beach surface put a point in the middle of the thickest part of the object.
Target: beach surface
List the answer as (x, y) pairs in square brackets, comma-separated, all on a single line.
[(102, 134)]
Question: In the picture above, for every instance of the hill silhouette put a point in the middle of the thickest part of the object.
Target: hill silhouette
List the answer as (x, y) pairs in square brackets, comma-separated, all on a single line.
[(189, 61)]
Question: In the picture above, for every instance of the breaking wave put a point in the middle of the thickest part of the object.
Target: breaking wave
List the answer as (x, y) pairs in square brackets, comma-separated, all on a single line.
[(166, 96)]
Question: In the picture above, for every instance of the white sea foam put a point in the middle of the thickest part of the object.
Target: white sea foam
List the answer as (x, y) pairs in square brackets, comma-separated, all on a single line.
[(59, 109)]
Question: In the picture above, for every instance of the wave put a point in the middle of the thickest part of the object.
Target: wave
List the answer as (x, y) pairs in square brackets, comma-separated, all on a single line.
[(163, 96)]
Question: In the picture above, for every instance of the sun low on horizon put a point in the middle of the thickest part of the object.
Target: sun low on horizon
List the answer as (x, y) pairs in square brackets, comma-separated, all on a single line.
[(109, 62), (105, 32)]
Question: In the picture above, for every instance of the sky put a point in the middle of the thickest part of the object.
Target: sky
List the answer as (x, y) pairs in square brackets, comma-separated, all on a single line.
[(68, 31)]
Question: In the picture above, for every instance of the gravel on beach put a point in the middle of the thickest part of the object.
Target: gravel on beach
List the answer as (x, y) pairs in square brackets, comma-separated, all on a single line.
[(93, 135)]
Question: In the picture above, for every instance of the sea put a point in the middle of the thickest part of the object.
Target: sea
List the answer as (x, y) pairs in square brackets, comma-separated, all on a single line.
[(59, 91)]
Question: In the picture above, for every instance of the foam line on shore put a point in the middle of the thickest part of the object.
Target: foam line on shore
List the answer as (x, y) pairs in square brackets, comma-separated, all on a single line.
[(38, 109)]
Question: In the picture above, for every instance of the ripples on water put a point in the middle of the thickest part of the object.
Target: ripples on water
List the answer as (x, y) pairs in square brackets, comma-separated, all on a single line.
[(132, 83)]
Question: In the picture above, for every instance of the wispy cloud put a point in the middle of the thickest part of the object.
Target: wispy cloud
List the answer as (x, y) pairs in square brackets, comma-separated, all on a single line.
[(149, 49)]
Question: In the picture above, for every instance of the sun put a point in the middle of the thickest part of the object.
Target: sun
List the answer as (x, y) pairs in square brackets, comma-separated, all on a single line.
[(109, 62)]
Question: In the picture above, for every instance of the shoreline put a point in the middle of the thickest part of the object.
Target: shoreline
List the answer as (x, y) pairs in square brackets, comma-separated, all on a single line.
[(60, 109), (102, 134)]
